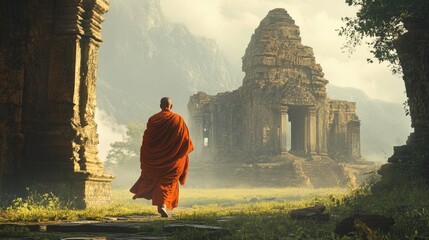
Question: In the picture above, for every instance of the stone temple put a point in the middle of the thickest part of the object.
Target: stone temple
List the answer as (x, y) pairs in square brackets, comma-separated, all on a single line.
[(282, 109)]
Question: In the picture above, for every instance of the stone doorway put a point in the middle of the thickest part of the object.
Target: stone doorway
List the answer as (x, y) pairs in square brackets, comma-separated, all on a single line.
[(298, 120)]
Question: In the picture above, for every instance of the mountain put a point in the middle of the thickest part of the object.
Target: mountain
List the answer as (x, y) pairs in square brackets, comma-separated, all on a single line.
[(144, 57), (383, 124)]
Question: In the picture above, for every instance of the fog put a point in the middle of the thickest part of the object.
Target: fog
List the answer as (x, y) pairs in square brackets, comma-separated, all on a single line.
[(109, 131), (156, 48)]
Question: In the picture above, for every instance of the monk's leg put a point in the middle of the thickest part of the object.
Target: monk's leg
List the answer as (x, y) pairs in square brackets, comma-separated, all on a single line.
[(166, 195), (162, 209)]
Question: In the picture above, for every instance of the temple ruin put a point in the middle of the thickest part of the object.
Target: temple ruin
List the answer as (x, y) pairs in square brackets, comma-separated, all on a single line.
[(282, 108), (48, 65)]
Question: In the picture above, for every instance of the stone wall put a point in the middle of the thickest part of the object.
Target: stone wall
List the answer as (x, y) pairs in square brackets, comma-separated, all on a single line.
[(48, 78), (410, 162), (344, 130), (12, 50)]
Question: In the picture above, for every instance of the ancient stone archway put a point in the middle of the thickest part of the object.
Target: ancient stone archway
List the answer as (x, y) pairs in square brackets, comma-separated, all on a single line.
[(48, 65)]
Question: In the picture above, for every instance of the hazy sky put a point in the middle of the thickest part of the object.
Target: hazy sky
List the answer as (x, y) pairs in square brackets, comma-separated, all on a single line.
[(232, 22)]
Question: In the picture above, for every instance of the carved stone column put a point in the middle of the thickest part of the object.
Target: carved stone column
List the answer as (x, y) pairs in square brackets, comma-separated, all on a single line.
[(61, 134), (353, 139), (283, 128), (311, 131), (322, 138), (12, 51)]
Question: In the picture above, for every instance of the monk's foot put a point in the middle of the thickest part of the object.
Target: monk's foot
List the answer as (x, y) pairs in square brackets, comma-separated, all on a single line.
[(163, 211)]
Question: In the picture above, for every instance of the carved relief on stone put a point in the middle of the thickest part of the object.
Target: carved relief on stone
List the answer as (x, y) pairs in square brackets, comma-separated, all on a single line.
[(55, 94)]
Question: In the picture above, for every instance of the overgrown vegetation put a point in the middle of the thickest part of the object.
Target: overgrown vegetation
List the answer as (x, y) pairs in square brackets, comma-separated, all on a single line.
[(37, 207), (123, 158), (383, 22), (261, 213)]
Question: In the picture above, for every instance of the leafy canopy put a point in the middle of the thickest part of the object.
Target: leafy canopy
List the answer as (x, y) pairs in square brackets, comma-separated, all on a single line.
[(126, 152), (383, 22)]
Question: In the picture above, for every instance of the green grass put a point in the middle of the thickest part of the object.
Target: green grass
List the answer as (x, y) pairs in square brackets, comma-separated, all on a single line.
[(190, 197), (47, 207), (248, 213)]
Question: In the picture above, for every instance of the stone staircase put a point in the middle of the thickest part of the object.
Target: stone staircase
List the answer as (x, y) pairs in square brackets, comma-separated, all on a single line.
[(276, 171), (324, 172)]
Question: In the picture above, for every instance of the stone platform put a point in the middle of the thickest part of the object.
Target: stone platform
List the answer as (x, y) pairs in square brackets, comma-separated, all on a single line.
[(286, 170)]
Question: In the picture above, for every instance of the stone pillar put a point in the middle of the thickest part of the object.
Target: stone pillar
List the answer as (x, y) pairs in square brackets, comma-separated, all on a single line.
[(353, 139), (411, 161), (13, 30), (61, 143), (90, 43), (413, 52), (283, 129), (323, 122), (305, 134), (311, 131)]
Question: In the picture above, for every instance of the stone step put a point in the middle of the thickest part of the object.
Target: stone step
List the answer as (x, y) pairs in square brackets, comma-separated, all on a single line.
[(117, 238), (210, 232), (100, 227), (30, 227)]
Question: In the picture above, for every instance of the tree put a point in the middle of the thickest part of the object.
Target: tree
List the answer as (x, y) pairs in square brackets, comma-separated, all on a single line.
[(399, 33), (383, 21), (123, 159)]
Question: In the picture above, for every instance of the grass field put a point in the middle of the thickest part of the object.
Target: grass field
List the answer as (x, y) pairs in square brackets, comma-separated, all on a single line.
[(247, 213), (190, 197)]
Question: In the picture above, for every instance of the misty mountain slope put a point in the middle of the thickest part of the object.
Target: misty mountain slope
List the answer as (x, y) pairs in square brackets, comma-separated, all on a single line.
[(144, 58), (383, 124)]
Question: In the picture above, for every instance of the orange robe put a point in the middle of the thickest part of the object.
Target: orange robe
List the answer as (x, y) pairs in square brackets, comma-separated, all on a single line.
[(163, 159)]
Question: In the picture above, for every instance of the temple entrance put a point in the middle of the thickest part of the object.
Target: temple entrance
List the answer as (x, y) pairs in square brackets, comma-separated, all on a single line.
[(298, 122)]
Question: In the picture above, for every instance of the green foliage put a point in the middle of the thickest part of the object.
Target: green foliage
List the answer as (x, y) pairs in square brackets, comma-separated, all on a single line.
[(128, 150), (407, 203), (382, 21), (36, 207), (123, 159), (14, 231), (33, 201)]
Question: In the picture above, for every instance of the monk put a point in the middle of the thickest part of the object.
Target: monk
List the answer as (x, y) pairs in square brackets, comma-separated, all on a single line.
[(163, 159)]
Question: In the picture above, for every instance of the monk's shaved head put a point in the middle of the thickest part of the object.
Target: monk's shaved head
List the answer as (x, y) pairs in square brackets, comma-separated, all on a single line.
[(166, 103)]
